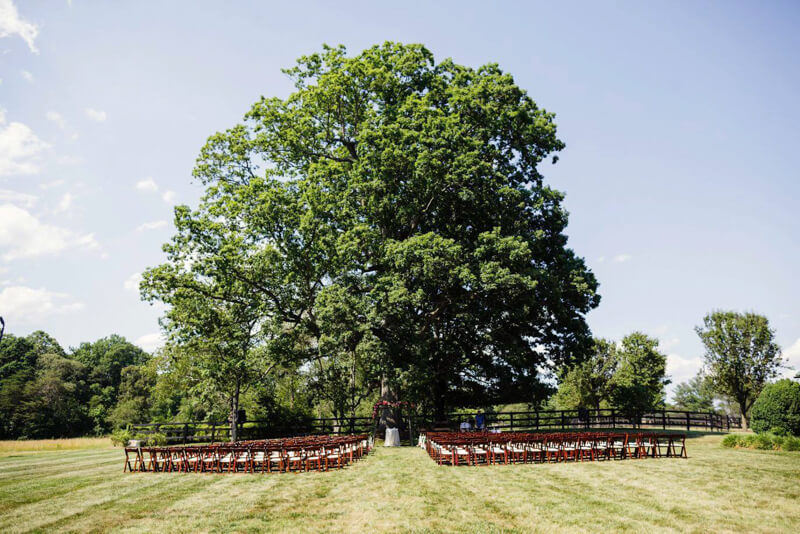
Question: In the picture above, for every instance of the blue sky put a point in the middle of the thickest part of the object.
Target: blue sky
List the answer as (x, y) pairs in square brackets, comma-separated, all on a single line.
[(680, 119)]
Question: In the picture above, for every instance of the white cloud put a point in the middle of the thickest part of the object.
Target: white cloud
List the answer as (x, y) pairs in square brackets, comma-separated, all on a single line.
[(132, 282), (169, 197), (64, 204), (665, 345), (20, 199), (70, 160), (150, 342), (151, 226), (19, 147), (148, 184), (793, 355), (681, 369), (27, 76), (621, 258), (96, 115), (22, 235), (56, 117), (12, 24), (49, 185), (28, 305)]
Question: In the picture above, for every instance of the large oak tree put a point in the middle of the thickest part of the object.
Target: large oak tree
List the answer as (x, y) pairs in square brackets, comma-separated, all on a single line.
[(393, 219)]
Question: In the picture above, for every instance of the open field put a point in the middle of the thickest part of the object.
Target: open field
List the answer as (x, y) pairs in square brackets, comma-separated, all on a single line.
[(716, 489), (41, 445)]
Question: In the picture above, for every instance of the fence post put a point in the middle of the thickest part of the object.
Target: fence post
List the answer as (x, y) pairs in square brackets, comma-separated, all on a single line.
[(664, 419), (728, 421), (613, 418), (688, 421), (537, 419), (213, 431), (563, 422), (511, 420), (185, 432)]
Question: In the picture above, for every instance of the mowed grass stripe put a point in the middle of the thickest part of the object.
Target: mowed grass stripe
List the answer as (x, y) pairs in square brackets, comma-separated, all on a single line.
[(231, 497), (13, 465), (34, 515), (64, 469), (123, 508)]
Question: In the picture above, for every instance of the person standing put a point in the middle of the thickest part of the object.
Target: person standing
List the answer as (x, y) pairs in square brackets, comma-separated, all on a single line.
[(480, 420)]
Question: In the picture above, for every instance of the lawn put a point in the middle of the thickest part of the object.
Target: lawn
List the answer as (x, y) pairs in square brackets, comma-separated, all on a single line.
[(33, 446), (397, 490)]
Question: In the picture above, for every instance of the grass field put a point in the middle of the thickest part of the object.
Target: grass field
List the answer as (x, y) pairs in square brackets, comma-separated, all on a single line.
[(40, 445), (399, 490)]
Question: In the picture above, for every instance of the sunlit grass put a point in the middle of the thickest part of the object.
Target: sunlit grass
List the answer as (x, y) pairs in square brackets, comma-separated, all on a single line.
[(40, 445), (402, 490)]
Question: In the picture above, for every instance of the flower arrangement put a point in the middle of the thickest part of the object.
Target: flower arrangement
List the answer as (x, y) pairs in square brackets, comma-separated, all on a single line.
[(389, 404)]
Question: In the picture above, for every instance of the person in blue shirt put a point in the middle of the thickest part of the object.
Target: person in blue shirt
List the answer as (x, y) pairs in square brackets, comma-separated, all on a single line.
[(480, 421)]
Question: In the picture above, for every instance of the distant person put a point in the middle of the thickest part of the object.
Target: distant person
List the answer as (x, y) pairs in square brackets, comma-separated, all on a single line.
[(465, 426), (480, 421)]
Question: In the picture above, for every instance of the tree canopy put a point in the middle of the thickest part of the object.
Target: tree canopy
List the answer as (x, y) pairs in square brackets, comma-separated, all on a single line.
[(392, 222)]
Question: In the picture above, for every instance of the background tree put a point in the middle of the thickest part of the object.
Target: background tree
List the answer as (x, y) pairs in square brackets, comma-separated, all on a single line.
[(588, 384), (741, 356), (695, 395), (54, 404), (215, 321), (639, 381), (105, 359), (135, 400)]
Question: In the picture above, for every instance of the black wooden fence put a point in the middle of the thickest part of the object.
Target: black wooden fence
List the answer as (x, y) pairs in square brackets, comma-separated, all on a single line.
[(204, 432), (588, 419)]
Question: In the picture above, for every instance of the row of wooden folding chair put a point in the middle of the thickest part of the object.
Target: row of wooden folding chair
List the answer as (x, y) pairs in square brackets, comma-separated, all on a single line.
[(291, 454), (472, 449)]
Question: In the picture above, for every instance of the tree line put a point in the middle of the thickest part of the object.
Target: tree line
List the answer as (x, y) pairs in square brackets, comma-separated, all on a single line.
[(49, 392)]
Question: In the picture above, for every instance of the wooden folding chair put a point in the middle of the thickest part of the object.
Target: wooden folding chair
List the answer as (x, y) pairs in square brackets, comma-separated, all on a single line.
[(137, 459)]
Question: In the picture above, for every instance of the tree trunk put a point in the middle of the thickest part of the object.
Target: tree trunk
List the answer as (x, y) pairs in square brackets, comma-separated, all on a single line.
[(235, 412), (745, 415), (388, 416)]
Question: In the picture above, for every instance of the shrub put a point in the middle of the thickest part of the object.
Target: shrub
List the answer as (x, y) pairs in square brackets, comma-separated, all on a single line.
[(156, 439), (778, 407), (763, 442), (121, 437), (778, 431), (747, 441), (730, 441), (791, 443)]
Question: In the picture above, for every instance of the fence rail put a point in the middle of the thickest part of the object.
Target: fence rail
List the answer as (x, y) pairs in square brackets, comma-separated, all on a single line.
[(205, 432), (603, 418)]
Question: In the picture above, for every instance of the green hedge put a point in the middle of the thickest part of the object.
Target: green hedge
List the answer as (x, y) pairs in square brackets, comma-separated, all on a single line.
[(765, 442), (777, 408)]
